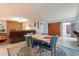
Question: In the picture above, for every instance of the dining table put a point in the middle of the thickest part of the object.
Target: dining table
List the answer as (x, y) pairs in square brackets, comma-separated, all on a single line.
[(44, 38), (47, 38), (41, 37)]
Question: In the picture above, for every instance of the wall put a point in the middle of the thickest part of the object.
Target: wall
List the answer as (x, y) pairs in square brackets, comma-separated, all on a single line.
[(43, 28), (14, 25), (26, 26), (76, 26), (54, 28)]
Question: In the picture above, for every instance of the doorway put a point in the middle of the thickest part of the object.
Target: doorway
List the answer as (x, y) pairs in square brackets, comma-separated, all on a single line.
[(66, 28)]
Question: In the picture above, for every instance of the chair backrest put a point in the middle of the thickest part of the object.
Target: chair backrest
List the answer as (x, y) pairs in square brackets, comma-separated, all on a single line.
[(44, 33), (53, 41), (28, 39), (29, 33)]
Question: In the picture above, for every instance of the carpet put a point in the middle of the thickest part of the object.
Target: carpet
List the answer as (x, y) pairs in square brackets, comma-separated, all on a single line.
[(60, 52), (71, 51)]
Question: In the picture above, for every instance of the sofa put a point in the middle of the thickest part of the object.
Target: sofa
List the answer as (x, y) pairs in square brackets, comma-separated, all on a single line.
[(18, 35)]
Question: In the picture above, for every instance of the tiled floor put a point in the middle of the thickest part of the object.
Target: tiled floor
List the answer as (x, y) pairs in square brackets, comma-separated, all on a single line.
[(63, 41)]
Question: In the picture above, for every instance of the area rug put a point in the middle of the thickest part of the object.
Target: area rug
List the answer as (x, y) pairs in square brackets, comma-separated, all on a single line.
[(71, 51), (60, 52)]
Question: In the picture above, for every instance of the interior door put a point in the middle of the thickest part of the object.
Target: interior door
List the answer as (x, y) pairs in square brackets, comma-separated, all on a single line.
[(54, 28)]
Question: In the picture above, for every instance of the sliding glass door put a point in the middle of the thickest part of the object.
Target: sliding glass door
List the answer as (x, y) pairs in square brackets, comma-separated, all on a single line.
[(67, 28)]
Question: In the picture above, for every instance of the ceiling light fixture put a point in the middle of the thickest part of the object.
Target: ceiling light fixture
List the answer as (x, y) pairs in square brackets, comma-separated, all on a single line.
[(18, 19)]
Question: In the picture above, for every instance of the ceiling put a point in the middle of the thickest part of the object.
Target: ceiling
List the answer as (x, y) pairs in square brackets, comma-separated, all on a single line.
[(39, 11)]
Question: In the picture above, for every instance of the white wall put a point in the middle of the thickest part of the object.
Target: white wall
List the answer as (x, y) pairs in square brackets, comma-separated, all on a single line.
[(76, 26), (43, 28)]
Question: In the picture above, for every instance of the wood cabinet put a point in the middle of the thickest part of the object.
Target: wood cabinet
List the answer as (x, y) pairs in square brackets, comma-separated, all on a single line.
[(8, 26), (3, 36), (14, 25)]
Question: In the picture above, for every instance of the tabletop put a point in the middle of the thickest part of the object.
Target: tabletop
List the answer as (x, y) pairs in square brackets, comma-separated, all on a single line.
[(41, 37), (47, 38)]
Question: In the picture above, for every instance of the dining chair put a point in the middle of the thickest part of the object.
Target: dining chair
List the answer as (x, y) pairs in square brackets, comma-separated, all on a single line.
[(30, 43), (50, 46)]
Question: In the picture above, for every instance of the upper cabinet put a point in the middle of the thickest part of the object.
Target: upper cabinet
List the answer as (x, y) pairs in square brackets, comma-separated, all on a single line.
[(12, 25)]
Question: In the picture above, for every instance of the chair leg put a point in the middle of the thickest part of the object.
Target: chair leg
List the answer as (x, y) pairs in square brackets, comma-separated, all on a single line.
[(8, 51), (39, 51), (53, 52), (29, 51), (6, 41)]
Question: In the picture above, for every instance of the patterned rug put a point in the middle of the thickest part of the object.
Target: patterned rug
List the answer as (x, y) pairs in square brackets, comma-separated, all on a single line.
[(21, 51), (71, 51), (60, 52)]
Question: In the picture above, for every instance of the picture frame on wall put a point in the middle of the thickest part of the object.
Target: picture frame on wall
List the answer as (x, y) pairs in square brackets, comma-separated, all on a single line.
[(36, 24)]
